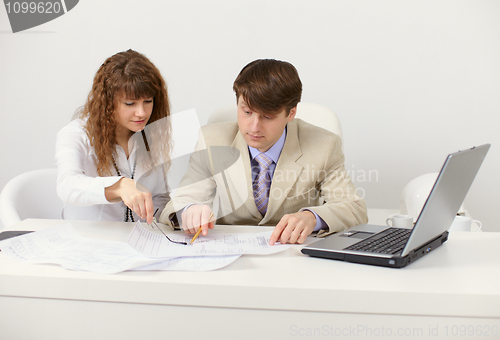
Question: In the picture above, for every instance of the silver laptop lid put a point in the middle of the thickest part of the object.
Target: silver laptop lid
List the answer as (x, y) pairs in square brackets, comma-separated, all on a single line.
[(445, 198)]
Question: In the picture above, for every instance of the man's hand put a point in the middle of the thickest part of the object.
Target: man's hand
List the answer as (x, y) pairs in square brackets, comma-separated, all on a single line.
[(195, 216), (294, 228)]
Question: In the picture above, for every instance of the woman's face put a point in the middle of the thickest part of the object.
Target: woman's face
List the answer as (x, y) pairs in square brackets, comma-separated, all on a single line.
[(132, 115)]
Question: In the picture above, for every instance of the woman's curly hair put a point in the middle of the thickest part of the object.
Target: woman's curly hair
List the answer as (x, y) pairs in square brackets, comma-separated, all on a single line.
[(131, 74)]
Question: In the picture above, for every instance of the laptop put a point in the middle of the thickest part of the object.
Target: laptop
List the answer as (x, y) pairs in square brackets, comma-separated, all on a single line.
[(397, 247)]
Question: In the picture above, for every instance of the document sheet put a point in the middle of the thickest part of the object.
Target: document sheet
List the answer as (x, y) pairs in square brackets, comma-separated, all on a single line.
[(145, 250), (64, 246), (214, 244)]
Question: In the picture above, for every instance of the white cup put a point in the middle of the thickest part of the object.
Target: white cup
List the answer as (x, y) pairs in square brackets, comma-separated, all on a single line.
[(464, 223), (400, 221)]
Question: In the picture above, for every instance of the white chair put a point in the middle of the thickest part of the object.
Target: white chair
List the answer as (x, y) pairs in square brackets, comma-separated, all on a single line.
[(30, 195), (415, 195), (315, 114)]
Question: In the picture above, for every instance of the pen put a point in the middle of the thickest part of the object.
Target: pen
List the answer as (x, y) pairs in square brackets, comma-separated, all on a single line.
[(199, 230)]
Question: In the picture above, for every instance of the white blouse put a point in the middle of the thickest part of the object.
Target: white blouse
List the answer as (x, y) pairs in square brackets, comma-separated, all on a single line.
[(82, 189)]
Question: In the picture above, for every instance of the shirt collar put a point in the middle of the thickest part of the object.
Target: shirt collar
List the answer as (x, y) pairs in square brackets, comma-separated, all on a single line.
[(132, 146), (273, 152)]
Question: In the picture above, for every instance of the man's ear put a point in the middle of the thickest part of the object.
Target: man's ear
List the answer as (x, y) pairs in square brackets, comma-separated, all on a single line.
[(292, 113)]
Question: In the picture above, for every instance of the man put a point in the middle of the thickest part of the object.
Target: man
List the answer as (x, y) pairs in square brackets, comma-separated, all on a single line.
[(285, 172)]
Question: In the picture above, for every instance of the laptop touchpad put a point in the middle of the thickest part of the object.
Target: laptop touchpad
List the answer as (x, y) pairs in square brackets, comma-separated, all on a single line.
[(357, 234)]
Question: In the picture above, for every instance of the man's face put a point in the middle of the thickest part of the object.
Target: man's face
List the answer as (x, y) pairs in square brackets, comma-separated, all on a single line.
[(261, 130)]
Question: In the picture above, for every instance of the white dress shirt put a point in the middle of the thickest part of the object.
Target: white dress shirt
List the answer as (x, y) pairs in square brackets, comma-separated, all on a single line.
[(81, 188)]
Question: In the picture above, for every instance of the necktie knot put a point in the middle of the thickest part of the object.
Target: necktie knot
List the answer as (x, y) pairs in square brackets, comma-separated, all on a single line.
[(263, 160)]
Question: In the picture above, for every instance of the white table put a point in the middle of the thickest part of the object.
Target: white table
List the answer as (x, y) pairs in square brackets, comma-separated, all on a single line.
[(452, 290)]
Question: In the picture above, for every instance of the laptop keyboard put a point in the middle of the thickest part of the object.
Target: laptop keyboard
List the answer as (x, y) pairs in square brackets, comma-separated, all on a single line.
[(390, 241)]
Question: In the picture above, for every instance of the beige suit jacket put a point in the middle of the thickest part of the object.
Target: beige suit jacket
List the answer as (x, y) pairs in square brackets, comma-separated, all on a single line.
[(310, 174)]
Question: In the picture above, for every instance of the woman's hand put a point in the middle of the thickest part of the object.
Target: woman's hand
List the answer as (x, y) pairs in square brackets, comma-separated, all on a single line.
[(134, 195)]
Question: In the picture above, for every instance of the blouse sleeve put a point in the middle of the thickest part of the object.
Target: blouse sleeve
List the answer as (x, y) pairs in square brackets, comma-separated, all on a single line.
[(77, 179)]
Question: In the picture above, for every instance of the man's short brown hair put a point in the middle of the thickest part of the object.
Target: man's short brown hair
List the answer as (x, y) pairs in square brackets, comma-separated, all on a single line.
[(269, 86)]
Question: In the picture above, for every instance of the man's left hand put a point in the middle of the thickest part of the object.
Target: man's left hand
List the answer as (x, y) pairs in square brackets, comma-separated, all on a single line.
[(293, 228)]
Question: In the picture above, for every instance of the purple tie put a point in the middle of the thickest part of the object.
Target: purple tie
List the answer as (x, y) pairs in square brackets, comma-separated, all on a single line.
[(262, 183)]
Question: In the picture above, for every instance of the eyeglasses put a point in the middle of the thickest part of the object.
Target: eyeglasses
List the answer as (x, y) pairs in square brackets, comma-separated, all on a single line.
[(152, 225)]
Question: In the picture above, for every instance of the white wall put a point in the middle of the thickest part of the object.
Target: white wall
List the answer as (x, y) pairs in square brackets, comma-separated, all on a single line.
[(410, 80)]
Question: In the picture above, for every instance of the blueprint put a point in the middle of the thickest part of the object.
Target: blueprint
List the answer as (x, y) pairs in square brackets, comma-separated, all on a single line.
[(214, 244), (144, 250), (62, 245)]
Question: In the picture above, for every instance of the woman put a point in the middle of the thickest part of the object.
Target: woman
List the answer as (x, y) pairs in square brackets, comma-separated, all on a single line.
[(111, 158)]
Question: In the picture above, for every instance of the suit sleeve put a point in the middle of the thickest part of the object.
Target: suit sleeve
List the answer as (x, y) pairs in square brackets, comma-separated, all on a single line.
[(342, 208), (196, 187)]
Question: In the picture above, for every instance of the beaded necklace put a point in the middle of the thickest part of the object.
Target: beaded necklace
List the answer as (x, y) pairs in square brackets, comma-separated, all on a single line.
[(128, 211)]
